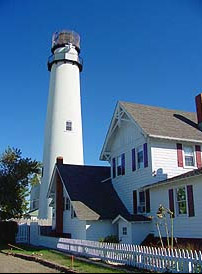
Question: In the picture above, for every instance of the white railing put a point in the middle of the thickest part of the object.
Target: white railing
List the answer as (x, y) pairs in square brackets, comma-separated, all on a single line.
[(149, 258)]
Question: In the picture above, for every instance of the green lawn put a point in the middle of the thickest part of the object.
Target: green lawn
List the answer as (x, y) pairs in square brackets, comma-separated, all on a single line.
[(64, 260)]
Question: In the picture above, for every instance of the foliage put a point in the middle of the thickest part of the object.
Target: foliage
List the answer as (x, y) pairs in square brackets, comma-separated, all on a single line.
[(161, 220), (16, 174), (8, 231), (110, 239)]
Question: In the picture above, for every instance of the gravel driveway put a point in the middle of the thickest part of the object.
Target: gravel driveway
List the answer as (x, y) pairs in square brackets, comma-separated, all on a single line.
[(10, 264)]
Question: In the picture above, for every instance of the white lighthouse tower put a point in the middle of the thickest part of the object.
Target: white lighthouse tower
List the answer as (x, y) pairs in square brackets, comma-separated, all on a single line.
[(63, 130)]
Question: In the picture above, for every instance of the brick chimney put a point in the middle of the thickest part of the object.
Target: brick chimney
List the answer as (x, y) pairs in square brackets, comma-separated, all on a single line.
[(59, 160), (198, 100)]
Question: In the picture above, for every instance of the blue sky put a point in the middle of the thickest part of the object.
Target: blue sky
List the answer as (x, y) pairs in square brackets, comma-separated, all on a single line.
[(142, 51)]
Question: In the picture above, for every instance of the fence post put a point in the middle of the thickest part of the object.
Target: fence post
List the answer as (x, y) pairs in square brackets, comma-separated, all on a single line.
[(34, 233)]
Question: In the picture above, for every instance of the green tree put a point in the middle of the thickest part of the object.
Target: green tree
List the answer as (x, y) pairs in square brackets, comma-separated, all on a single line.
[(16, 175)]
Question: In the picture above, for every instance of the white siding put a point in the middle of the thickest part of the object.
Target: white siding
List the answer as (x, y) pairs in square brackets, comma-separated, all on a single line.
[(164, 159), (125, 239), (74, 226), (125, 138), (95, 230), (184, 226), (140, 231)]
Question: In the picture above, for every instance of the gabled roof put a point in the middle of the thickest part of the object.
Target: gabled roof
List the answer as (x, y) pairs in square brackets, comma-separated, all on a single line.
[(91, 192), (187, 175), (162, 122), (155, 122)]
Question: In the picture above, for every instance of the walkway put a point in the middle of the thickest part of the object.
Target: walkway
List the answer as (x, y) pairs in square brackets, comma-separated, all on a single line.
[(10, 264)]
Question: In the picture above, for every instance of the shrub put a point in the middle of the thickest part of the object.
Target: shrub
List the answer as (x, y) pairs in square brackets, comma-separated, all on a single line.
[(8, 231), (110, 239)]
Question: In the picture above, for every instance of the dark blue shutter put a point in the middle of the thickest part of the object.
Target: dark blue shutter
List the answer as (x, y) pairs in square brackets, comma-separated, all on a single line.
[(135, 202), (123, 164), (145, 155), (114, 167), (147, 193), (133, 160), (190, 196)]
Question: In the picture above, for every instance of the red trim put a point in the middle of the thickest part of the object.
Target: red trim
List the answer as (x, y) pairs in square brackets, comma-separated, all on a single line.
[(179, 155), (198, 100), (190, 197), (198, 156), (59, 205), (171, 201)]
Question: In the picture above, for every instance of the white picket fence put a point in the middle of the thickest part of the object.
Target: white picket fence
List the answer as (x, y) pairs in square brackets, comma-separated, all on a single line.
[(148, 258), (24, 229), (23, 235)]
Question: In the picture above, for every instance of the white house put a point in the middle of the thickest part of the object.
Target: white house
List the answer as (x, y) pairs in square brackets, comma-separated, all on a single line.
[(155, 158)]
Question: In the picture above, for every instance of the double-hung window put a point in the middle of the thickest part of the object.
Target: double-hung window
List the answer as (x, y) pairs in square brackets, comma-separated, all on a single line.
[(142, 202), (140, 157), (189, 156), (119, 166), (181, 201), (125, 231)]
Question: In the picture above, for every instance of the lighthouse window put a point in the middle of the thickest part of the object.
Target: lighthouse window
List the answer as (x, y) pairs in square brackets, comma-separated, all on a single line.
[(69, 125)]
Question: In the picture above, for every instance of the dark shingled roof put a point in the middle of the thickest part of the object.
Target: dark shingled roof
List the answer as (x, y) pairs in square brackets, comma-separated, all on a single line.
[(164, 122), (186, 175), (92, 193)]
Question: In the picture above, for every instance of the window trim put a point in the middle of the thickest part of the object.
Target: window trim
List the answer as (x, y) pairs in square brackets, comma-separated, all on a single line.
[(194, 156), (141, 205), (119, 166), (124, 231), (142, 149), (177, 202)]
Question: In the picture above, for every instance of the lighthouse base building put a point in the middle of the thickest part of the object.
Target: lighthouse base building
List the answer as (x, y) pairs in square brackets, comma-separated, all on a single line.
[(155, 160)]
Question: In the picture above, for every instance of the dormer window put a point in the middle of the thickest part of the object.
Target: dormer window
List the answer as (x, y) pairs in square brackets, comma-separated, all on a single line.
[(189, 156), (68, 125)]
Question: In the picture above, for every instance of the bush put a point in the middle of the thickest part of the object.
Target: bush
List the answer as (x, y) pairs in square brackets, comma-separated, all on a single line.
[(110, 239), (8, 231)]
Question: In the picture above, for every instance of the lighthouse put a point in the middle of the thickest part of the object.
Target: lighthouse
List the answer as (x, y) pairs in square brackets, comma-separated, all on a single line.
[(63, 128)]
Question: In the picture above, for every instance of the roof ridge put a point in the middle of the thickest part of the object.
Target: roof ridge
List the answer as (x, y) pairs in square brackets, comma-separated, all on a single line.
[(156, 107), (91, 166)]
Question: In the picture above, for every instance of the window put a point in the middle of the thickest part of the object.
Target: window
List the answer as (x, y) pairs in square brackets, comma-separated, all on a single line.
[(140, 160), (67, 204), (73, 214), (118, 167), (125, 231), (181, 200), (189, 156), (142, 202), (69, 126)]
